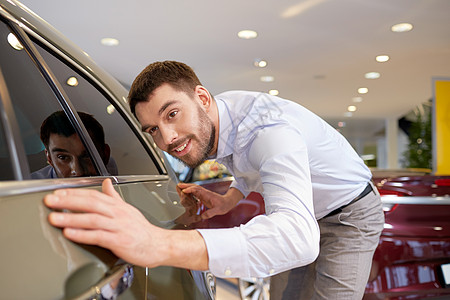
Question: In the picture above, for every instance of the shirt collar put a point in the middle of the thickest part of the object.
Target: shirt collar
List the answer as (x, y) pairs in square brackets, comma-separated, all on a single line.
[(227, 130)]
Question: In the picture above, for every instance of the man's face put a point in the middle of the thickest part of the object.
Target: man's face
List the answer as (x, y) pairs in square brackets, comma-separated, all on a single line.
[(68, 156), (178, 123)]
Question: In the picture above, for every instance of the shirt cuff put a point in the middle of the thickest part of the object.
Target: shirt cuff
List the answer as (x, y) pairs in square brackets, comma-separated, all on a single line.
[(227, 251), (235, 184)]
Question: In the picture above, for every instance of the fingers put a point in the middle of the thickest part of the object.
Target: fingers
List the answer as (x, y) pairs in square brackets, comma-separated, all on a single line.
[(90, 237), (208, 214), (81, 221), (108, 189), (85, 200), (74, 201), (200, 193), (184, 185)]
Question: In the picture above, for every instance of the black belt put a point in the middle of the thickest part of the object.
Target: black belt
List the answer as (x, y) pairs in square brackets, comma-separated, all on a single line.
[(364, 193)]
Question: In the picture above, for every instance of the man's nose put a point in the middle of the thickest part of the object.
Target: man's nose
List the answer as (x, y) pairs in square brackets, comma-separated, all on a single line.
[(76, 168), (169, 135)]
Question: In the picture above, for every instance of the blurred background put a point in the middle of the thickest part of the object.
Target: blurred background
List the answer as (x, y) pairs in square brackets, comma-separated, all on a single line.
[(366, 67)]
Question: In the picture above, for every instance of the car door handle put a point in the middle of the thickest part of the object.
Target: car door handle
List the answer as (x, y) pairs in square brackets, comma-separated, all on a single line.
[(111, 286)]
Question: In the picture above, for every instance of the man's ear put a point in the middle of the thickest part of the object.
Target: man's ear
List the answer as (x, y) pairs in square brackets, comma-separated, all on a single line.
[(49, 158), (204, 96)]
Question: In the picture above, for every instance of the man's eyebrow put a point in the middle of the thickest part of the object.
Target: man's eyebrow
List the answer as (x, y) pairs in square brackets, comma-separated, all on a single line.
[(165, 106), (58, 150)]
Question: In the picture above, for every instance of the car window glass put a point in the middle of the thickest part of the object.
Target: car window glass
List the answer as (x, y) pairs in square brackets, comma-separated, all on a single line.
[(6, 172), (33, 101), (127, 154)]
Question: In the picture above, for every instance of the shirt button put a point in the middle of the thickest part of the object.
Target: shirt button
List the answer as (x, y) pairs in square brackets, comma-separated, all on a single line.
[(271, 271), (228, 272)]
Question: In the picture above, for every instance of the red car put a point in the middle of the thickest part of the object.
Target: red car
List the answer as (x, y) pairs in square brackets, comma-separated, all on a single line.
[(412, 260)]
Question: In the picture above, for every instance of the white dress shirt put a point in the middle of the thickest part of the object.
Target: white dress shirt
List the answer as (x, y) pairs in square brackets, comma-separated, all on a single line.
[(304, 169)]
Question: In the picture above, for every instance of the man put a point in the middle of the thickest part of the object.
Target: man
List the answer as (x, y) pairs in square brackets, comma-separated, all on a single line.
[(310, 177), (65, 153)]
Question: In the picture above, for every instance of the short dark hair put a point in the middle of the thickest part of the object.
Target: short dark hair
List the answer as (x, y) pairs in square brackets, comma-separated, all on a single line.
[(179, 75), (59, 123)]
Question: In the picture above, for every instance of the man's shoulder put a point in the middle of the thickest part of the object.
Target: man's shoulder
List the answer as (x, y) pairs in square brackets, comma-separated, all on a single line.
[(46, 172)]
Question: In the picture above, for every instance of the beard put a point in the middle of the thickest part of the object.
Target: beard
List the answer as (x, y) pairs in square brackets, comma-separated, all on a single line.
[(205, 138)]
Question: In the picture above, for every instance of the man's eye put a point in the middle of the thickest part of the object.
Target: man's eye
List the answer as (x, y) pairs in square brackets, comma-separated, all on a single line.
[(63, 157), (172, 114), (152, 130)]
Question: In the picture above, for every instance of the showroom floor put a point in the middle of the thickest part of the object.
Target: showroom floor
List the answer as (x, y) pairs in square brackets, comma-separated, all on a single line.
[(226, 289)]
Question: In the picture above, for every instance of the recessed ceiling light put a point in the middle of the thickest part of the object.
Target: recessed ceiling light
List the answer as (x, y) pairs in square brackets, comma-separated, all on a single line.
[(363, 90), (247, 34), (72, 81), (382, 58), (372, 75), (109, 41), (357, 99), (348, 114), (274, 92), (260, 63), (402, 27), (351, 108), (14, 42), (267, 78)]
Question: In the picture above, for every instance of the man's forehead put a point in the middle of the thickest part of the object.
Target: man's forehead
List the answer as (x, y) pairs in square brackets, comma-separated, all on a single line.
[(56, 139)]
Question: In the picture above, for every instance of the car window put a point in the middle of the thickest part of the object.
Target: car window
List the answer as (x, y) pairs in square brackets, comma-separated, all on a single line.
[(6, 171), (33, 102), (127, 155)]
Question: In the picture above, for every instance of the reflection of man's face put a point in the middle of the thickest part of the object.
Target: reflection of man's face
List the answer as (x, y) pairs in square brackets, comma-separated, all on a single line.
[(68, 156)]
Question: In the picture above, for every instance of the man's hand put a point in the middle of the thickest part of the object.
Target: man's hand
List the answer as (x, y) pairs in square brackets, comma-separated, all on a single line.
[(217, 204), (105, 220)]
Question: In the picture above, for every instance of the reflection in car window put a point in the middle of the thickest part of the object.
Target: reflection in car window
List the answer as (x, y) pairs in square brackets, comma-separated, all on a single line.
[(6, 172), (64, 150), (31, 97), (127, 154)]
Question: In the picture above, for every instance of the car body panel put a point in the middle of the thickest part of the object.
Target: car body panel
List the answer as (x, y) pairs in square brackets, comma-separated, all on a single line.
[(24, 242), (37, 261)]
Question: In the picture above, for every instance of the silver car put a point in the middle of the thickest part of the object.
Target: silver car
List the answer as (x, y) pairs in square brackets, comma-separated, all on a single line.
[(64, 122)]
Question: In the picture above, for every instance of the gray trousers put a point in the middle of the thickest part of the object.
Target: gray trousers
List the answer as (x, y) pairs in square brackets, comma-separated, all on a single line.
[(347, 243)]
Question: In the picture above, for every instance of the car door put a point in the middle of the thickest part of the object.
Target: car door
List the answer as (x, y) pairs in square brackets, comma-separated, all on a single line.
[(54, 267), (37, 262)]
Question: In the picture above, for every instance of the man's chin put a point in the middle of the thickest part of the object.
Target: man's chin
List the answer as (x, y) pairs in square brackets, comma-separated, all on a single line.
[(189, 163), (193, 165)]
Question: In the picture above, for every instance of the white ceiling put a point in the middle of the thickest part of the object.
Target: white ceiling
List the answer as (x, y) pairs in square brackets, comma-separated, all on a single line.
[(318, 54)]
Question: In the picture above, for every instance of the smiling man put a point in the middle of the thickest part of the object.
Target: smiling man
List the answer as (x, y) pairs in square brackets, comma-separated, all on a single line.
[(323, 216)]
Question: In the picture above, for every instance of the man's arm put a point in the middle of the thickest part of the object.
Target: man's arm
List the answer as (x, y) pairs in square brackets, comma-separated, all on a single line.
[(108, 221), (288, 235)]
